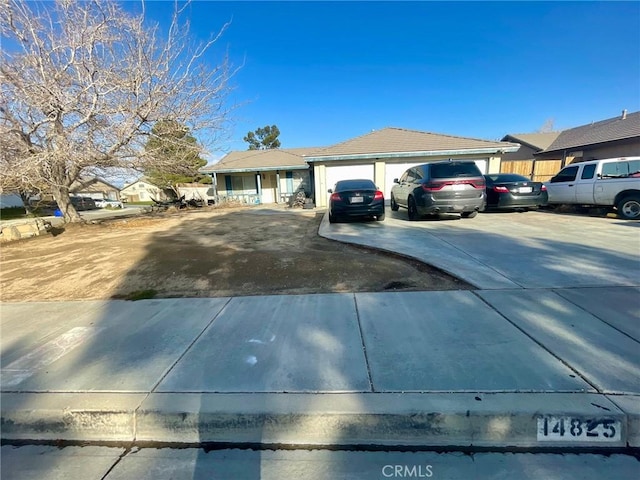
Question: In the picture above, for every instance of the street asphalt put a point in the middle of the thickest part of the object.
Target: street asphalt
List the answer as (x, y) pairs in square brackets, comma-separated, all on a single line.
[(543, 353)]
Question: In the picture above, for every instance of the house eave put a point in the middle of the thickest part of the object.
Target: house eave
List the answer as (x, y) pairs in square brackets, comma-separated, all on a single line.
[(255, 169), (571, 147), (430, 153)]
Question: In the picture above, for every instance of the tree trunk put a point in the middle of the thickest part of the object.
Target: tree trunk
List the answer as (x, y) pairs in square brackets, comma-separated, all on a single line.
[(61, 196), (25, 197)]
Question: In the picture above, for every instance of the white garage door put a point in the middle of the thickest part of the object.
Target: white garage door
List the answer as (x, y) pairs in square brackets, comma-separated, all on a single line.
[(346, 172), (394, 170)]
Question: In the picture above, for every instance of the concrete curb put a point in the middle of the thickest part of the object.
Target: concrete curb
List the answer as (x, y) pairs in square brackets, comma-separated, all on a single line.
[(499, 420)]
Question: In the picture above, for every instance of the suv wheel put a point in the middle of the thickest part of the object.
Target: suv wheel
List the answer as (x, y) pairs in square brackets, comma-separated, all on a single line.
[(412, 209), (469, 214), (629, 208), (394, 205)]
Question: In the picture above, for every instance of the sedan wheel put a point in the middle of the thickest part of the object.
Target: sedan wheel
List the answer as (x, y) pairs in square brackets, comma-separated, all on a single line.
[(394, 204), (412, 210), (380, 218), (332, 219), (629, 208)]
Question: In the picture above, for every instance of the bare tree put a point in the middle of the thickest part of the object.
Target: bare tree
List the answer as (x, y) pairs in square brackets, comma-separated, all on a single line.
[(83, 82), (547, 126)]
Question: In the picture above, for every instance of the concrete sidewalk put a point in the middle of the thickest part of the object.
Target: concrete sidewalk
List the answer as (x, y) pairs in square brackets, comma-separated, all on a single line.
[(545, 354), (493, 368)]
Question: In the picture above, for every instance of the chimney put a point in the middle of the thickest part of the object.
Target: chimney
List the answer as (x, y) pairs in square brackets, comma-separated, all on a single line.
[(624, 114)]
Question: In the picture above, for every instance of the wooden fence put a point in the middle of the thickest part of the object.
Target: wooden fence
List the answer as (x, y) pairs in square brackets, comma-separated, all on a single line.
[(537, 170)]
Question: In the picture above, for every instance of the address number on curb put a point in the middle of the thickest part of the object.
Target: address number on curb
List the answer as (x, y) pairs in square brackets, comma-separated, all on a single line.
[(578, 429)]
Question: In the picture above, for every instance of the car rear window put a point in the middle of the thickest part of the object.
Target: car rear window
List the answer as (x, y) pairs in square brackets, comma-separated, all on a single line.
[(343, 185), (449, 170)]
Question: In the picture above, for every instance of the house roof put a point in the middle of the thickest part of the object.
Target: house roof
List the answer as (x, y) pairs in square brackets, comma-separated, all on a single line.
[(400, 142), (86, 182), (612, 129), (537, 141), (143, 179), (256, 160)]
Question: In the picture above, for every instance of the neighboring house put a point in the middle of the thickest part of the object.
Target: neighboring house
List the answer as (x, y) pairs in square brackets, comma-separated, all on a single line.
[(385, 154), (614, 137), (142, 191), (262, 176), (523, 160), (95, 188)]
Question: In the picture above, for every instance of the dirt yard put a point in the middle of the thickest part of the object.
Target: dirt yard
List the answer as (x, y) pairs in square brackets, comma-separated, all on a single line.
[(203, 253)]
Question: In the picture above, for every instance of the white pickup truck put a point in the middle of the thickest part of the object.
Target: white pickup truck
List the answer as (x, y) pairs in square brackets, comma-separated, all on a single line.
[(614, 182)]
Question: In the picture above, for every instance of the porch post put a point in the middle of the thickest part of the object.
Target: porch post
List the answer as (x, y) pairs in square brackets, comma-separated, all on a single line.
[(259, 187), (278, 192)]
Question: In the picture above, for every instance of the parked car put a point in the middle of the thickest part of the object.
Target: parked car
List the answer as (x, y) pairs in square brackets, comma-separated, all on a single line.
[(611, 182), (355, 199), (510, 190), (440, 187), (106, 203), (83, 203)]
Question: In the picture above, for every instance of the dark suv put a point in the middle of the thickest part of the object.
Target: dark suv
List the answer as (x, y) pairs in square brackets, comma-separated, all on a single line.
[(440, 187)]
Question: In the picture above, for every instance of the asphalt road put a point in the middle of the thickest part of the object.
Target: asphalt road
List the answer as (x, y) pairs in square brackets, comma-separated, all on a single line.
[(103, 463)]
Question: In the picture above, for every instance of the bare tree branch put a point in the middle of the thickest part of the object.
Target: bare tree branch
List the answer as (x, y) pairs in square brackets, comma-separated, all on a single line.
[(85, 84)]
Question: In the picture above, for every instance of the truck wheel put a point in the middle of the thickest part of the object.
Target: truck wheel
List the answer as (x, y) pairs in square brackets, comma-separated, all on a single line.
[(629, 208)]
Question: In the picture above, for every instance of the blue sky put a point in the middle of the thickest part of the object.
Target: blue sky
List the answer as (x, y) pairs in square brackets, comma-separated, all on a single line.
[(324, 72)]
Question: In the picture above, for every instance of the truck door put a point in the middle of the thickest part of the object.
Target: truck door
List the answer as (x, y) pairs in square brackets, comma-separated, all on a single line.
[(562, 187), (585, 183)]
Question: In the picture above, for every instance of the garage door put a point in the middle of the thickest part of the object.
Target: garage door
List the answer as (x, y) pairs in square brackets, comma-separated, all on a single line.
[(345, 172), (394, 170)]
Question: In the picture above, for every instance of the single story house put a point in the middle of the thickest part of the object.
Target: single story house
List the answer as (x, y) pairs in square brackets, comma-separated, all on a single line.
[(95, 188), (262, 176), (92, 187), (272, 176), (523, 161), (615, 137), (385, 154)]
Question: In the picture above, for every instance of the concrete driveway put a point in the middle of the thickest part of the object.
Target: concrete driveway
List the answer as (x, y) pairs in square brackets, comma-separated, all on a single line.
[(510, 249)]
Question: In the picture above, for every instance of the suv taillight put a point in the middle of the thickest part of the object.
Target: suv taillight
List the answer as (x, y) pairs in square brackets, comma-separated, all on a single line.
[(434, 186)]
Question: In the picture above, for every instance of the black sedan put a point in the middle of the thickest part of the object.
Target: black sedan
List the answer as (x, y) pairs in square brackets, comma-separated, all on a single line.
[(509, 190), (355, 199)]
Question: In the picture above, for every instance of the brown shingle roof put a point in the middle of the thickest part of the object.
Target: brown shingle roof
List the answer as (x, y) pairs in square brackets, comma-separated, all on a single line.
[(609, 130), (538, 141), (389, 141), (254, 160)]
